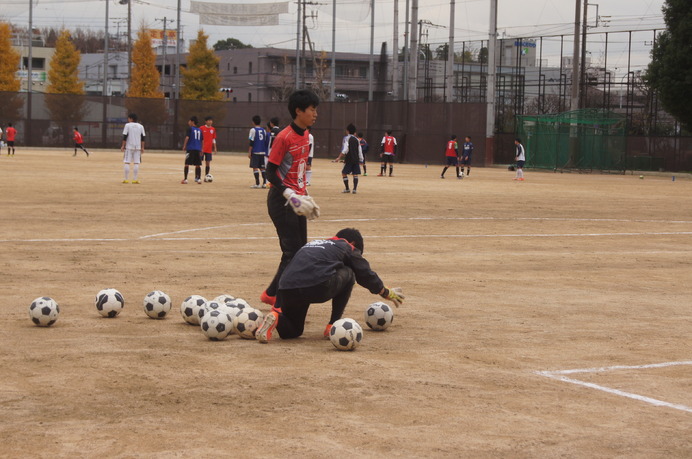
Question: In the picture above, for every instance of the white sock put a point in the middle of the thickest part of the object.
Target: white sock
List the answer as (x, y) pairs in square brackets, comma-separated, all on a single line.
[(127, 170), (135, 172), (520, 173), (308, 175)]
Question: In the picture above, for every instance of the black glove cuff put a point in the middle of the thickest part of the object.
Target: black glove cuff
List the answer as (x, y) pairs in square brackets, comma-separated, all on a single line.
[(385, 293)]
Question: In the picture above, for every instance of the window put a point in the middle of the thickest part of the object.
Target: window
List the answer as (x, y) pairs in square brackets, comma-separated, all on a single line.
[(235, 70), (37, 63), (249, 97), (249, 68)]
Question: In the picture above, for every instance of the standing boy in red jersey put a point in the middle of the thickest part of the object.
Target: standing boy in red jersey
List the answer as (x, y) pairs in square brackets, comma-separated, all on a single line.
[(10, 136), (208, 144), (288, 202), (79, 142), (452, 156), (388, 147)]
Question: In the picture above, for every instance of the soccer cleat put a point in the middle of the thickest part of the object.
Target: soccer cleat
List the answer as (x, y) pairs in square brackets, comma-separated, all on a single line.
[(442, 176), (365, 175), (255, 186), (198, 181), (183, 181), (136, 182), (521, 179), (266, 299), (87, 153), (460, 177), (126, 181), (346, 191), (353, 192), (380, 175), (264, 332), (327, 329), (264, 185)]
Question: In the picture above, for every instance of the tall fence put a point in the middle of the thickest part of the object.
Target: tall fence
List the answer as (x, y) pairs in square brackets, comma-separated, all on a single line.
[(421, 128)]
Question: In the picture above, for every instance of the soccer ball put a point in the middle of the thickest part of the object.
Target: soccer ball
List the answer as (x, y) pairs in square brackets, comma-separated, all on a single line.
[(157, 304), (379, 316), (224, 298), (213, 306), (109, 302), (192, 309), (247, 322), (208, 178), (346, 334), (44, 311), (216, 324), (236, 306)]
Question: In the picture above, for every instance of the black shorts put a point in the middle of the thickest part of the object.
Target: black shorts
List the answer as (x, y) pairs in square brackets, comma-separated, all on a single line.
[(465, 160), (257, 161), (351, 169), (452, 160), (193, 158), (388, 159), (10, 143), (520, 164)]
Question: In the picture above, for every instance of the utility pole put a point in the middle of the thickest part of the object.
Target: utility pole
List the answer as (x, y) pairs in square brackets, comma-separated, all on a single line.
[(105, 57), (575, 59), (449, 87), (164, 42), (298, 44), (490, 94), (395, 53), (371, 63), (413, 54), (582, 72), (178, 40)]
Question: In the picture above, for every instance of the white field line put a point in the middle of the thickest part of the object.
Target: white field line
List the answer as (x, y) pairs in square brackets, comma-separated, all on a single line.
[(558, 375)]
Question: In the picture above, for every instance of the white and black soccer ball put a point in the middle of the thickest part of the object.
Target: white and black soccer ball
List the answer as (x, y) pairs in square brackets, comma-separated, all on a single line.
[(247, 322), (109, 302), (379, 316), (224, 298), (44, 311), (157, 304), (237, 305), (209, 178), (216, 324), (346, 334), (192, 309), (213, 306)]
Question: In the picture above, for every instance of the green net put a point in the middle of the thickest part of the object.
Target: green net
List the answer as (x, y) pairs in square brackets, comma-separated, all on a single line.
[(582, 139)]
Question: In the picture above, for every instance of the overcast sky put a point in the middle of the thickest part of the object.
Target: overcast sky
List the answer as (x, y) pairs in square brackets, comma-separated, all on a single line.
[(548, 18)]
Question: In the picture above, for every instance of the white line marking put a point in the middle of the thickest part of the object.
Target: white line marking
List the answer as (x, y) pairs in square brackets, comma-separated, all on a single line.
[(556, 374)]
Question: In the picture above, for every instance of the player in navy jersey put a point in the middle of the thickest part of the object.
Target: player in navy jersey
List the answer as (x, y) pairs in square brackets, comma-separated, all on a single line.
[(353, 157), (193, 151), (466, 152), (257, 151), (288, 202), (364, 148)]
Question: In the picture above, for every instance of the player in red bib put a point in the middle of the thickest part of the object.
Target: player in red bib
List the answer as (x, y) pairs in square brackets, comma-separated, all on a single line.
[(79, 142), (208, 143), (10, 136), (388, 150), (451, 155), (288, 202)]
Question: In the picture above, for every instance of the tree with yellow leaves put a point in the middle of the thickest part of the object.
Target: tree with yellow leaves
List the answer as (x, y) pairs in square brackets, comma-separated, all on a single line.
[(144, 96), (10, 102), (201, 77)]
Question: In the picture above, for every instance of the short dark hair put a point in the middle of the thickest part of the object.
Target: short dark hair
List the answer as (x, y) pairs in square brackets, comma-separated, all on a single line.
[(194, 119), (302, 99), (468, 137), (454, 136), (256, 119), (351, 128), (353, 236), (132, 116), (517, 140), (207, 118), (274, 121), (75, 128), (360, 134)]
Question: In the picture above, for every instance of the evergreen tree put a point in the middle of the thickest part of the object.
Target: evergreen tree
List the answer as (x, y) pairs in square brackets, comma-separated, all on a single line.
[(201, 77), (670, 69), (63, 75), (230, 43), (145, 79), (9, 61)]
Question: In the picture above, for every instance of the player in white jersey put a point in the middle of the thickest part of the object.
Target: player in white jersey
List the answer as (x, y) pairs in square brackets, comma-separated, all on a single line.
[(132, 147)]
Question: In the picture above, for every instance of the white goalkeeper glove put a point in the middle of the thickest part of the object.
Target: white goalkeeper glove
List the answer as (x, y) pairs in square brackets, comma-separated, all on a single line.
[(395, 295), (304, 206)]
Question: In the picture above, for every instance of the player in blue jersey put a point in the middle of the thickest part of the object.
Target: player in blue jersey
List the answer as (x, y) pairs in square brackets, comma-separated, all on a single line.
[(193, 151), (466, 152), (257, 151)]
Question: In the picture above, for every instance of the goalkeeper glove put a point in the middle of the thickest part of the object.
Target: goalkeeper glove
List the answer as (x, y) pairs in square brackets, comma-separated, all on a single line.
[(304, 206), (395, 295)]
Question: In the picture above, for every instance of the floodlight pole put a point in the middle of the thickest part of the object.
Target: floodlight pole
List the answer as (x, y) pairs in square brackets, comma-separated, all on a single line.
[(449, 87), (490, 89)]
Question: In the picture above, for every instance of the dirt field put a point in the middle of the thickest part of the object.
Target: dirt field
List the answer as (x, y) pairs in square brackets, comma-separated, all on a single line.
[(508, 285)]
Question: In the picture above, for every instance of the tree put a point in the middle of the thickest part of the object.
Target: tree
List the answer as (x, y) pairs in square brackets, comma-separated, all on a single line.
[(230, 43), (670, 69), (10, 102), (144, 96), (9, 61), (145, 79), (201, 77), (65, 89), (63, 75)]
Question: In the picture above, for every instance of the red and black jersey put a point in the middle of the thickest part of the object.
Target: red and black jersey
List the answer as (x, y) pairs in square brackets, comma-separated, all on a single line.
[(388, 145), (78, 137), (290, 151), (452, 148)]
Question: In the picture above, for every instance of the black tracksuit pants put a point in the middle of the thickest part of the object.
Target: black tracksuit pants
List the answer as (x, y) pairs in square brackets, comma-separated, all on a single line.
[(295, 302)]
